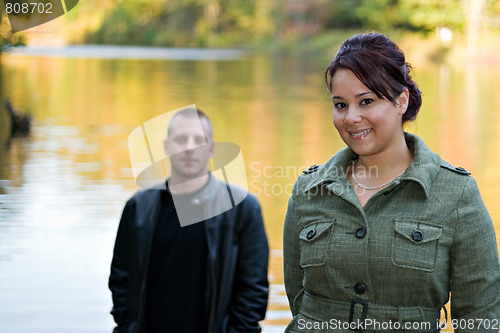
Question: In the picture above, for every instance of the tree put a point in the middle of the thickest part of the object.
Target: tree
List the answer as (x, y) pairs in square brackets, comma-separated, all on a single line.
[(427, 15)]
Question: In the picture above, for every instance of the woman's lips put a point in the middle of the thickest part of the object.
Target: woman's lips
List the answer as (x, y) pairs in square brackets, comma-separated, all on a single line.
[(360, 135)]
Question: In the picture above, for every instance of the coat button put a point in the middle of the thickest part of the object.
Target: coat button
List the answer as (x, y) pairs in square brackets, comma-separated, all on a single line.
[(417, 235), (311, 234), (360, 232), (360, 288)]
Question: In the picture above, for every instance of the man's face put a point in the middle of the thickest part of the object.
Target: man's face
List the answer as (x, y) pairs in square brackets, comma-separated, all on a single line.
[(190, 146)]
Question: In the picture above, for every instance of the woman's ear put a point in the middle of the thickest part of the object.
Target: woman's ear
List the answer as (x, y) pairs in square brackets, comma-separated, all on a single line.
[(403, 101)]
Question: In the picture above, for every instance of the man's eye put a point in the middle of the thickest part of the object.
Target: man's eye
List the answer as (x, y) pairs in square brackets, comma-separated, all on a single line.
[(339, 106), (366, 101), (180, 139), (200, 140)]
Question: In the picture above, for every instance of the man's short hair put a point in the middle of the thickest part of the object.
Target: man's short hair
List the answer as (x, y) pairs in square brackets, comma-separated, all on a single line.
[(187, 113)]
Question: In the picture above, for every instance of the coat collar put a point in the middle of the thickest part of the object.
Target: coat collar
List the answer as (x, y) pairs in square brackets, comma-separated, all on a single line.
[(208, 190), (422, 169)]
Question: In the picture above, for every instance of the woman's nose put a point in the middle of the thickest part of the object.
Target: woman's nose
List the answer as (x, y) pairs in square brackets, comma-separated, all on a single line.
[(353, 116)]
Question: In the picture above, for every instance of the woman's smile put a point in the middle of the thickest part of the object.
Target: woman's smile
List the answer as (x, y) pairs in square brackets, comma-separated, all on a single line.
[(360, 135)]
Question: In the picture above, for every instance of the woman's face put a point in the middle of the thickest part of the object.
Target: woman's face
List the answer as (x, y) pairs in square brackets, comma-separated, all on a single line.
[(369, 125)]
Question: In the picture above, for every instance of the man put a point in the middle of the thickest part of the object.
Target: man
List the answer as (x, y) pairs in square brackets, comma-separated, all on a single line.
[(182, 263)]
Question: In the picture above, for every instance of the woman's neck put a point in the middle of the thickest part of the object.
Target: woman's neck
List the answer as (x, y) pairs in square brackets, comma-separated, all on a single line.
[(386, 164)]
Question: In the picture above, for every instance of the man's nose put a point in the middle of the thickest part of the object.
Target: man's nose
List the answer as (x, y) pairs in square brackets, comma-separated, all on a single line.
[(193, 143)]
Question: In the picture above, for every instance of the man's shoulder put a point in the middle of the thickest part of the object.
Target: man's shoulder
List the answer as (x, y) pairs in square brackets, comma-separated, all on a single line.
[(147, 194), (241, 195)]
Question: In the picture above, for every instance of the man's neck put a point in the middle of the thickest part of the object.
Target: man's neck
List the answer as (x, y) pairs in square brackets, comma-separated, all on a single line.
[(181, 185)]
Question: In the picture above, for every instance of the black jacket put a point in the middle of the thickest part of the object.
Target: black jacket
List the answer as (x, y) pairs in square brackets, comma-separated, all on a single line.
[(238, 257)]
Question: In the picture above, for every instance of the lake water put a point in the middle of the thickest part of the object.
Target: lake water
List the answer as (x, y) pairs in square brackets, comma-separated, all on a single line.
[(63, 188)]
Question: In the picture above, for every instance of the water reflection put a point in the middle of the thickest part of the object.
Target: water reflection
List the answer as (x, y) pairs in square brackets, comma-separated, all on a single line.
[(56, 231), (13, 156), (62, 190)]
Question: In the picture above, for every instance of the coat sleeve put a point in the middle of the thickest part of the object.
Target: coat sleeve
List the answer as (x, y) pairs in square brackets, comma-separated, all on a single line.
[(293, 273), (251, 287), (118, 279), (475, 270)]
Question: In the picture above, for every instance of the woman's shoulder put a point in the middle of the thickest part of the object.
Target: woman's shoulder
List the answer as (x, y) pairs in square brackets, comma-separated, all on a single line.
[(317, 176), (306, 176), (456, 169), (455, 180), (454, 175), (335, 166)]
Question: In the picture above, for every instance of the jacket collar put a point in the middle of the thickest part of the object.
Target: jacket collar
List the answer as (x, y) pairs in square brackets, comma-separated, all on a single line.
[(422, 169), (206, 192), (425, 165)]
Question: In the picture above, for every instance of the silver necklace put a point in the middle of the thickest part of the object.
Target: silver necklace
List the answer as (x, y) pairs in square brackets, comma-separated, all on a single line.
[(371, 187)]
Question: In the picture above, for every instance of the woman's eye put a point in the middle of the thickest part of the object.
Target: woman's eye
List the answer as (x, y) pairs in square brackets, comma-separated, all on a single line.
[(366, 101), (339, 106)]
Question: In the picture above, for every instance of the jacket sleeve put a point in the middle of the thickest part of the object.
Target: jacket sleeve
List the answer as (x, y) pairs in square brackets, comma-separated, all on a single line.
[(251, 287), (118, 279), (293, 273), (475, 270)]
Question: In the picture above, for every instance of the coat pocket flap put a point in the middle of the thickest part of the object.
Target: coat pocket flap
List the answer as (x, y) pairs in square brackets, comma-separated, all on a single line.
[(314, 230), (418, 232)]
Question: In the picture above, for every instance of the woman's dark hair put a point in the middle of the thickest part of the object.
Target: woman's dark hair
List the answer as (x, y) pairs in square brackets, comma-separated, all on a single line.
[(380, 65)]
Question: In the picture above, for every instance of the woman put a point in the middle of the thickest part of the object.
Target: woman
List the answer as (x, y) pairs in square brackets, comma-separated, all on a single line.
[(377, 238)]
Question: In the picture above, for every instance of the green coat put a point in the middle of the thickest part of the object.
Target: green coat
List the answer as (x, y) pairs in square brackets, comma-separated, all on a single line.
[(395, 260)]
